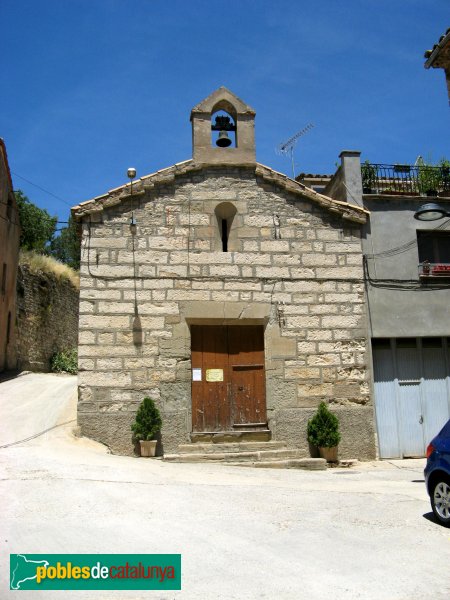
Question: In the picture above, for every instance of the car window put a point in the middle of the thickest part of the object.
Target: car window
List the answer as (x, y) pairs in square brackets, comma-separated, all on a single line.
[(445, 431)]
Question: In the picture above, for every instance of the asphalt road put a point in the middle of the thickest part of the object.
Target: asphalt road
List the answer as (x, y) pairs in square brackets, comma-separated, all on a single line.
[(359, 533)]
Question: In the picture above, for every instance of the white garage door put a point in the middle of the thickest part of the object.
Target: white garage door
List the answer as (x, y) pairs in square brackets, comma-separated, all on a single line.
[(412, 393)]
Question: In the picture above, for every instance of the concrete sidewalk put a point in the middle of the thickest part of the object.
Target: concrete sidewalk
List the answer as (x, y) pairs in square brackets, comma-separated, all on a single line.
[(364, 532), (33, 402)]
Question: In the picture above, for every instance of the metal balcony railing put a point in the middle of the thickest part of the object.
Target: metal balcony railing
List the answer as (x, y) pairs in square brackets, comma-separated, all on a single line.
[(427, 269), (405, 179)]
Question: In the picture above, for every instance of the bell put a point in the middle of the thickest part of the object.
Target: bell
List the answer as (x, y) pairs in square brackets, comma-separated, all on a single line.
[(223, 141)]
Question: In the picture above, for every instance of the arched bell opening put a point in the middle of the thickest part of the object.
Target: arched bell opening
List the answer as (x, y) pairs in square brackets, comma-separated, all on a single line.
[(237, 127), (225, 213), (223, 126)]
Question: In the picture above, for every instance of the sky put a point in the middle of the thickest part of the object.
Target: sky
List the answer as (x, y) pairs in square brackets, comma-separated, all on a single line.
[(92, 87)]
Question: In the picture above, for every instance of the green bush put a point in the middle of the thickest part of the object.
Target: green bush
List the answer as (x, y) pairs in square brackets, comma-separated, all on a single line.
[(147, 422), (37, 227), (445, 174), (369, 175), (323, 428), (65, 361), (429, 179), (433, 178)]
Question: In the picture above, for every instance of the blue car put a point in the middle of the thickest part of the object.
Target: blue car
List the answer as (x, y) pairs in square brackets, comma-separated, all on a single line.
[(437, 475)]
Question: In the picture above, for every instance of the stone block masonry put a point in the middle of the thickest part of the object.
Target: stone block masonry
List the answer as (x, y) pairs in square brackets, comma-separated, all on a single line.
[(139, 295), (47, 318)]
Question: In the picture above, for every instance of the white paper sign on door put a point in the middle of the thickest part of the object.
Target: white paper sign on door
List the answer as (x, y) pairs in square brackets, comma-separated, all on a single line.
[(196, 374)]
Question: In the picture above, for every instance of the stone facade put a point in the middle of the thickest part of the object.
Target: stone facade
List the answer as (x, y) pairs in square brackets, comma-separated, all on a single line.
[(47, 318), (293, 265), (9, 253)]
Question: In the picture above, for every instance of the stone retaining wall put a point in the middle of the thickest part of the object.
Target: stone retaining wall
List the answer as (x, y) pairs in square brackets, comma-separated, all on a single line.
[(47, 318)]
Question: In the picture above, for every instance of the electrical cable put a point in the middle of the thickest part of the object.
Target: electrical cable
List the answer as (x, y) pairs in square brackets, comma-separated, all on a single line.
[(401, 284), (210, 277), (407, 245), (42, 189), (19, 225)]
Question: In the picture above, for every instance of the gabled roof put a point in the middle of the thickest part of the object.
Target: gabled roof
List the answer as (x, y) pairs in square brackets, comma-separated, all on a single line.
[(222, 95), (116, 196)]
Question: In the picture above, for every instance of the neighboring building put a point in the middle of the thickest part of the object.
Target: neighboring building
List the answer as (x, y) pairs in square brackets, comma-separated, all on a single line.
[(407, 278), (9, 258), (439, 57), (229, 292)]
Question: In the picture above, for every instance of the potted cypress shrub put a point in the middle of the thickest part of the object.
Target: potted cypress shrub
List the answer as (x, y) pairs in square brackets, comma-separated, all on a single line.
[(146, 426), (323, 432)]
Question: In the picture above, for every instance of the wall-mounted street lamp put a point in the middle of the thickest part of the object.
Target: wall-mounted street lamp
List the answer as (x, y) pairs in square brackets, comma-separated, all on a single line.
[(431, 212), (132, 174)]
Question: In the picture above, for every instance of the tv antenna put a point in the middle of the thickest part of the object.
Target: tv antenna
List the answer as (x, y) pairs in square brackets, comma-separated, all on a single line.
[(288, 146)]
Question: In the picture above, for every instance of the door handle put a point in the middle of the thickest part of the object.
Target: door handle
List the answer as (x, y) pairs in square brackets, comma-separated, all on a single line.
[(421, 419), (240, 388)]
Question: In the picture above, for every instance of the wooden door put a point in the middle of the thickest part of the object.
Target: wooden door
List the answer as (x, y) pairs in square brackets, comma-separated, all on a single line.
[(246, 360), (228, 378)]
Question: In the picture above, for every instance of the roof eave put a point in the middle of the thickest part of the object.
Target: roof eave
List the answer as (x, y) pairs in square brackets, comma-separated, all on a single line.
[(115, 196), (436, 51)]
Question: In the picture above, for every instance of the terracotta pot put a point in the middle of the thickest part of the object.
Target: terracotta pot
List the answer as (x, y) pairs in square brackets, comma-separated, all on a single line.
[(148, 447), (329, 454)]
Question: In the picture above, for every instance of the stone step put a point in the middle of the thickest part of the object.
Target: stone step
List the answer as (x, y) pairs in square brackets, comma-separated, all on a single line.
[(257, 453), (209, 448), (281, 460), (309, 464), (233, 457), (251, 435)]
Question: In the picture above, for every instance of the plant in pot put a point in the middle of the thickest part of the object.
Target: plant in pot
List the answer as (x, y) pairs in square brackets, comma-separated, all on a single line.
[(429, 178), (146, 426), (323, 432), (444, 164), (369, 177)]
